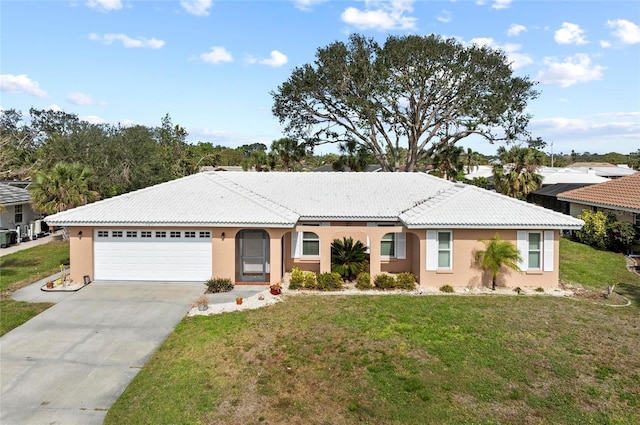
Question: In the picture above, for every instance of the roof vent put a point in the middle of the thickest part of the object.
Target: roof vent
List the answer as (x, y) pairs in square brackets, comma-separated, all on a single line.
[(459, 184)]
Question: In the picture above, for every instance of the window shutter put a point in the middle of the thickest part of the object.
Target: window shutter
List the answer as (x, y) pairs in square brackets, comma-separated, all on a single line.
[(296, 244), (401, 245), (432, 250), (523, 247), (548, 251)]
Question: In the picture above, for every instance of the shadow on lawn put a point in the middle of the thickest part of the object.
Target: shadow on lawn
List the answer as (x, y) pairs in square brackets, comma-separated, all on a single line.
[(630, 291)]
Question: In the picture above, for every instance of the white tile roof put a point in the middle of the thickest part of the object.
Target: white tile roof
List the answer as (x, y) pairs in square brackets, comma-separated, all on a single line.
[(466, 206), (281, 199)]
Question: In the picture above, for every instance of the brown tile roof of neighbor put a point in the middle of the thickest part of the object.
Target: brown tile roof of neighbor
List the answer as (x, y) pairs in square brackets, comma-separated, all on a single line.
[(623, 193)]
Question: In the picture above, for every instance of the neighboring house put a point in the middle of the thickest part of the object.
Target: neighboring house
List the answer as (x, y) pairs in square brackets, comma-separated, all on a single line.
[(603, 169), (254, 227), (206, 168), (620, 197), (328, 168), (16, 211)]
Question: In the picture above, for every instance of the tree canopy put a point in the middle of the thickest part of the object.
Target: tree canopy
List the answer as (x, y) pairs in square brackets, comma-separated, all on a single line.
[(422, 93)]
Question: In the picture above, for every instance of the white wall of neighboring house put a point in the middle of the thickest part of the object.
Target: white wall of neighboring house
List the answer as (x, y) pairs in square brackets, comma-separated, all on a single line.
[(18, 215)]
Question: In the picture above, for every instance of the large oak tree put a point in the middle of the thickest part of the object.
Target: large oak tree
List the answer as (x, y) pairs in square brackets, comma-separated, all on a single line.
[(419, 93)]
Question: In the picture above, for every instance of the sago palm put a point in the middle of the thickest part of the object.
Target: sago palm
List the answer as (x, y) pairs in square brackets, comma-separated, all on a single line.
[(348, 258), (498, 253)]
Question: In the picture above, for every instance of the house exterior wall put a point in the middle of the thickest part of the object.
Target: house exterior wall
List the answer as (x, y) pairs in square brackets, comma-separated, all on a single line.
[(464, 271), (623, 216), (8, 218)]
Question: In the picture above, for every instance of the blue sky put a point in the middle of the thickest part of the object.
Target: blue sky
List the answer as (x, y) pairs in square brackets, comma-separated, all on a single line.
[(211, 64)]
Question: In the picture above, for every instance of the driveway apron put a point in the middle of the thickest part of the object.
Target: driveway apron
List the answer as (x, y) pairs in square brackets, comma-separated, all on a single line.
[(69, 364)]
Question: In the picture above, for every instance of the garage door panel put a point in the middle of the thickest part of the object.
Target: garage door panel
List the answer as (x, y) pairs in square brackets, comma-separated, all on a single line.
[(151, 259)]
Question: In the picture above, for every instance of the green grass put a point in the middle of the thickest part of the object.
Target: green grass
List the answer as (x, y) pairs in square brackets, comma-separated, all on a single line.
[(583, 265), (14, 313), (22, 268), (32, 264), (395, 360)]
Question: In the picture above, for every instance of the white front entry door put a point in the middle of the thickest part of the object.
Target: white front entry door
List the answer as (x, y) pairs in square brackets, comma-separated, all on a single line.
[(152, 255)]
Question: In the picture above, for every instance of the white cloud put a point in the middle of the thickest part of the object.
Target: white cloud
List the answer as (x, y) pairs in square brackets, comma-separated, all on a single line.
[(276, 59), (444, 16), (575, 69), (55, 108), (307, 5), (515, 30), (93, 119), (570, 34), (216, 55), (80, 99), (514, 56), (500, 4), (152, 43), (381, 15), (20, 84), (605, 44), (196, 7), (105, 5), (627, 32)]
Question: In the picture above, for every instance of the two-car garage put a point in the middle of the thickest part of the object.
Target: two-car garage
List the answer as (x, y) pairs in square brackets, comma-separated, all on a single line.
[(178, 255)]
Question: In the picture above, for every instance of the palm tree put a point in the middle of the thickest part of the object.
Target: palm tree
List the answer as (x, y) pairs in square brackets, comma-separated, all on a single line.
[(354, 156), (515, 176), (470, 160), (63, 187), (498, 253), (289, 152), (348, 258), (448, 163)]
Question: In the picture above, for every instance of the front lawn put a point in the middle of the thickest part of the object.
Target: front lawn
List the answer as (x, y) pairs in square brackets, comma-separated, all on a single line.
[(23, 268), (395, 360)]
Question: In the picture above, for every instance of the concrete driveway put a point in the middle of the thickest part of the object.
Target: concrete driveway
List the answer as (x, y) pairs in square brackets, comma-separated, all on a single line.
[(69, 364)]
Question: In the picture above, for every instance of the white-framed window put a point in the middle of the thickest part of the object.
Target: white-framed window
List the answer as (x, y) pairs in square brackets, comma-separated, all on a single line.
[(189, 234), (310, 244), (205, 234), (145, 233), (175, 234), (388, 245), (439, 250), (444, 250), (132, 234), (161, 234), (116, 233), (18, 214), (103, 233), (536, 250)]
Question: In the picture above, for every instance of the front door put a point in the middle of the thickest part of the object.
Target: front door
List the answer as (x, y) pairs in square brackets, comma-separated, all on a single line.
[(254, 256)]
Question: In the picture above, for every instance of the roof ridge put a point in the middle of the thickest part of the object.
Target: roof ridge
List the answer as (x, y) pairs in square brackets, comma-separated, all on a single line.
[(242, 191)]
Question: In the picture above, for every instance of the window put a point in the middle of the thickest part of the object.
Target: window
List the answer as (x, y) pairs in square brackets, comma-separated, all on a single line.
[(18, 214), (205, 234), (439, 250), (161, 234), (534, 249), (310, 244), (388, 245), (116, 234), (103, 233), (132, 234), (189, 234), (175, 234), (145, 234), (444, 250)]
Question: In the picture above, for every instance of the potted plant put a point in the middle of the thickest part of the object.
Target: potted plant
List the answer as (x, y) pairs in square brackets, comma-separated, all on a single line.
[(49, 284), (202, 302), (275, 288), (239, 300)]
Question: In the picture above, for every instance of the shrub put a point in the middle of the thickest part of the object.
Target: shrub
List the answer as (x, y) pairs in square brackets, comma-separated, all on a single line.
[(348, 258), (384, 281), (406, 280), (363, 281), (296, 280), (329, 281), (539, 289), (309, 280), (447, 288), (219, 284), (517, 289)]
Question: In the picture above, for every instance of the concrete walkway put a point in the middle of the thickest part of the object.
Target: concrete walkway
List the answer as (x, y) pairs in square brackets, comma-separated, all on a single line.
[(69, 364), (30, 244)]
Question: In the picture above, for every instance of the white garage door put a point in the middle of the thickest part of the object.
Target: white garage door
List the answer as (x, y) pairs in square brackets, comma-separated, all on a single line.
[(152, 255)]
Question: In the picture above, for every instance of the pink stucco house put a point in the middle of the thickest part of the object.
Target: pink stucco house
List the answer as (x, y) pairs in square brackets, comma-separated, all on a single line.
[(254, 227)]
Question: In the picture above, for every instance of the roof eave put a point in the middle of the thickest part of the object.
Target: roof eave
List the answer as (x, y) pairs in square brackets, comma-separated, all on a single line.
[(168, 224), (495, 226), (597, 204)]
